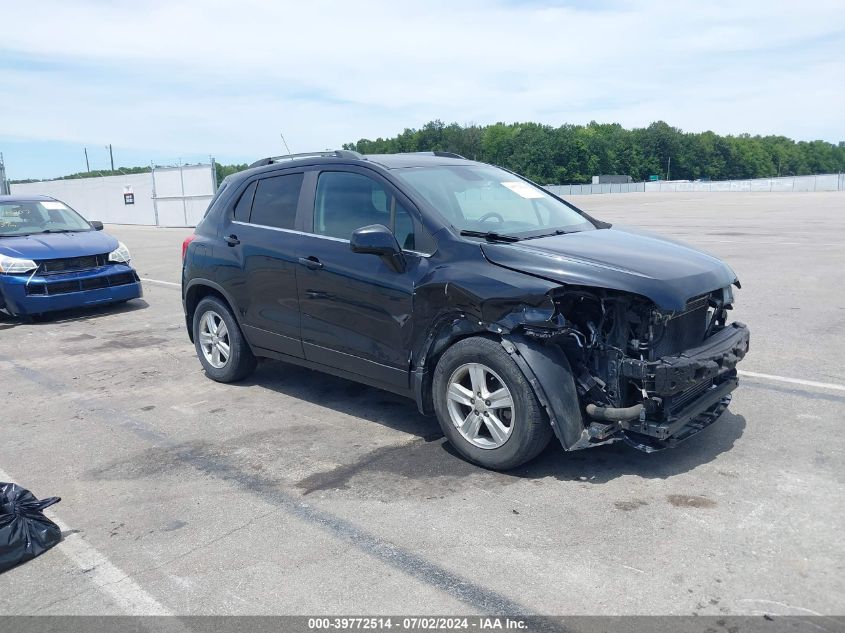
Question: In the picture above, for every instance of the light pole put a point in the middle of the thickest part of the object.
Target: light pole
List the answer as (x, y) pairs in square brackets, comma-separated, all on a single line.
[(668, 165)]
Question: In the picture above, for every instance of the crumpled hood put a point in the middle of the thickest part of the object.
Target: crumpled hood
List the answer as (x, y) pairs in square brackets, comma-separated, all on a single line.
[(58, 245), (667, 272)]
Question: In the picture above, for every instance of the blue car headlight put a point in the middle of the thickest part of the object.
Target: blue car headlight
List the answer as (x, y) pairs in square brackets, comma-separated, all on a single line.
[(120, 254), (16, 265)]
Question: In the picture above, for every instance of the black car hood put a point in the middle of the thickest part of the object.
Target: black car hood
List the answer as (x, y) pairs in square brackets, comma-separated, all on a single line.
[(667, 272)]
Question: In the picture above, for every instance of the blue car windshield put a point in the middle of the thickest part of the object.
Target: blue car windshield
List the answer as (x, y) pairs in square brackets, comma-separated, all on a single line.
[(28, 217), (481, 198)]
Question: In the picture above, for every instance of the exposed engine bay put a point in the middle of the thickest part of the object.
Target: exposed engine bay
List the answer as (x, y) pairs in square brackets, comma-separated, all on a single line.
[(649, 376)]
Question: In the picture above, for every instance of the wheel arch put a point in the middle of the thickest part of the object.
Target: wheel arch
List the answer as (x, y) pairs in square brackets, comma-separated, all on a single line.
[(196, 291), (448, 330), (548, 371), (545, 367)]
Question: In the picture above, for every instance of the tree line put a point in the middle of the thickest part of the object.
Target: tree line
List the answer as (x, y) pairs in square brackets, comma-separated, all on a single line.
[(90, 174), (221, 170), (574, 153)]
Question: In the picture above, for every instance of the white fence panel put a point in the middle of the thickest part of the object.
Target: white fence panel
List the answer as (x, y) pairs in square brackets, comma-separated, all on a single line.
[(171, 212), (827, 182), (169, 196), (101, 198), (199, 180), (804, 183), (195, 209), (819, 182), (182, 193)]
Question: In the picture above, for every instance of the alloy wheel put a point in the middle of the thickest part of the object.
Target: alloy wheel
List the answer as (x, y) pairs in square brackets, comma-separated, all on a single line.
[(214, 339), (480, 406)]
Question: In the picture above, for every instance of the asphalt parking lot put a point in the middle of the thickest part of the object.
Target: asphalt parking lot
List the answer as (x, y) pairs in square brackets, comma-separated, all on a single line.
[(299, 493)]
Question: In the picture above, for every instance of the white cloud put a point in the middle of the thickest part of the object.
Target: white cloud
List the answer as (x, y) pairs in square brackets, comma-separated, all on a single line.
[(225, 77)]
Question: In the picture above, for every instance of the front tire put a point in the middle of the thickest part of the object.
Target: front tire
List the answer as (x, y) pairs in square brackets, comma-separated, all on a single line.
[(221, 347), (486, 407)]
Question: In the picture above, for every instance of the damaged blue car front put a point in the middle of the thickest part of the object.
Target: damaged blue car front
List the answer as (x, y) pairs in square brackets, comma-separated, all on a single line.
[(51, 258)]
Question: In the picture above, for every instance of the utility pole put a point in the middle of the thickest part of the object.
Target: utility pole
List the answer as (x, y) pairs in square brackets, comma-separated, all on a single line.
[(111, 157), (4, 185), (87, 166), (668, 165)]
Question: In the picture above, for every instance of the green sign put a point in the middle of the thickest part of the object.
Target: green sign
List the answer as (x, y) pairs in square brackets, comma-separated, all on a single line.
[(654, 177)]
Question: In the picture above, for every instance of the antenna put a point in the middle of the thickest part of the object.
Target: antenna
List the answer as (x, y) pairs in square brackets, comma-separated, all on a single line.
[(285, 142)]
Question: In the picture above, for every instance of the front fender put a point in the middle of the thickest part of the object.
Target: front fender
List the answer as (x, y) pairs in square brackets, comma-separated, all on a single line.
[(547, 369)]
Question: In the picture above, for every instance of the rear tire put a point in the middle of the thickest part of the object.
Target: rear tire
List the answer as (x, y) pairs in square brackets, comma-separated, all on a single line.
[(221, 347), (503, 427)]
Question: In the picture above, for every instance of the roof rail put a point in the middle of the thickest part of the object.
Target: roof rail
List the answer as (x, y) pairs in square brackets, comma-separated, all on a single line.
[(336, 153), (441, 154)]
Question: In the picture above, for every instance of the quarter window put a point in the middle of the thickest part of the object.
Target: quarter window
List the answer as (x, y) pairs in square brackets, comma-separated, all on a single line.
[(244, 206), (275, 201)]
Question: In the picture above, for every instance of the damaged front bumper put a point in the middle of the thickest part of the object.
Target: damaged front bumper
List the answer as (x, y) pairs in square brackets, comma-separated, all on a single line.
[(687, 392), (671, 375)]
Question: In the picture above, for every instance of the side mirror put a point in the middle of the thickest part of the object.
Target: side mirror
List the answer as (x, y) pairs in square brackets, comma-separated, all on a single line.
[(96, 225), (376, 239)]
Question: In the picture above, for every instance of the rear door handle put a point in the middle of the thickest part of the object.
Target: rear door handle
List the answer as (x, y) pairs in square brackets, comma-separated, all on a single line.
[(232, 240), (311, 263)]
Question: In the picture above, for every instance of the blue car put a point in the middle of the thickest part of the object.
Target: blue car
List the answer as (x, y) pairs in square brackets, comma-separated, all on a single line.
[(51, 258)]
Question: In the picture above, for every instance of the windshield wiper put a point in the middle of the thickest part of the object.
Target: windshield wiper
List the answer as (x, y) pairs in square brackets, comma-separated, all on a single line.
[(491, 236), (555, 232), (58, 231)]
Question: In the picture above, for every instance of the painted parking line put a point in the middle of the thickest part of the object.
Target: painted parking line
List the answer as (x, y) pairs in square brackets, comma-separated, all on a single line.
[(106, 576), (794, 381), (160, 282), (416, 566), (750, 374)]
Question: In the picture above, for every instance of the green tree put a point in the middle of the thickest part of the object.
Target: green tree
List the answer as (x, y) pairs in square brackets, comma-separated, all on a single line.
[(575, 153)]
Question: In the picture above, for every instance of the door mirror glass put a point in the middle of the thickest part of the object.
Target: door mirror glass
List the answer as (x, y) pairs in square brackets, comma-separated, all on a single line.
[(376, 239), (96, 225)]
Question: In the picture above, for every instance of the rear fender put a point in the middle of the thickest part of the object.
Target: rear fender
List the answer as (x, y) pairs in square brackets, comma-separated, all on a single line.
[(190, 299)]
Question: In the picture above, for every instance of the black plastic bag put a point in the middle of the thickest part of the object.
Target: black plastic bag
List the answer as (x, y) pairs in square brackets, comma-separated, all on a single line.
[(24, 530)]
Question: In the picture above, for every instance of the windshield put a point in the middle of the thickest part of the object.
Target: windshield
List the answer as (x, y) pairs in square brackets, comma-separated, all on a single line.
[(39, 216), (487, 199)]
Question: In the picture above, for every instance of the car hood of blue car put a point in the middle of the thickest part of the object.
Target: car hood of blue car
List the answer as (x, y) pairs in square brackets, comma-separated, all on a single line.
[(627, 259), (58, 245)]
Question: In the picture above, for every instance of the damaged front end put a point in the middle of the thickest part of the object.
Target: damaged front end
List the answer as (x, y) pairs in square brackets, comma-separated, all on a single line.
[(648, 376)]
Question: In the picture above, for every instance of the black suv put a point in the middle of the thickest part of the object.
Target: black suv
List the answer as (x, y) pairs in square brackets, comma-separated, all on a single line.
[(499, 307)]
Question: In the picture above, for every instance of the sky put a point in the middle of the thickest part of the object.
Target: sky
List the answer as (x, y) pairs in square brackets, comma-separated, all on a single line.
[(169, 81)]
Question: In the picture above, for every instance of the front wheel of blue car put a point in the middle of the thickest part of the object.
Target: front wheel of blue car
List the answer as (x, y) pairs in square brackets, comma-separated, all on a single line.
[(486, 407), (224, 353)]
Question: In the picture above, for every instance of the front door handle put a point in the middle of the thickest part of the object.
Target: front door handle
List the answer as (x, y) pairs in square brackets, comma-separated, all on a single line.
[(232, 240), (311, 263)]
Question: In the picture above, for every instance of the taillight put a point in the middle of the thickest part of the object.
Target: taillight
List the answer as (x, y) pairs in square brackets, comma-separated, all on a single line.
[(187, 241)]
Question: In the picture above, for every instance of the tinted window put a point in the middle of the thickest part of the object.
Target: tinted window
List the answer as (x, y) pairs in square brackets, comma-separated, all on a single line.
[(244, 205), (275, 201), (346, 201)]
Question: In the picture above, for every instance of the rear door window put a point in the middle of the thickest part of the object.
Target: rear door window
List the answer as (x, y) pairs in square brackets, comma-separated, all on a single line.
[(276, 200)]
